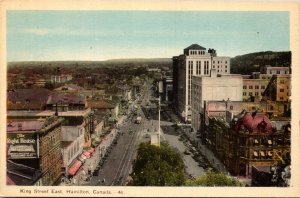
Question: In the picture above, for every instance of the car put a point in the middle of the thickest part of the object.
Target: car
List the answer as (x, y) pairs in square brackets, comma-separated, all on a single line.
[(187, 152)]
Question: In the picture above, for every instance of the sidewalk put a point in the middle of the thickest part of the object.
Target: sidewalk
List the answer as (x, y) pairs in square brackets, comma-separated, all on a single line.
[(81, 175)]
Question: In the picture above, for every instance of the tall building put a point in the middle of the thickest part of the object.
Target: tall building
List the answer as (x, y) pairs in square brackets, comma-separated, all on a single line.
[(36, 144), (213, 88), (195, 61)]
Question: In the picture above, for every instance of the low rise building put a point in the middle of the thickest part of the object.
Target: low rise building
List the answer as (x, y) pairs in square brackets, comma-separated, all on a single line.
[(268, 69), (252, 141), (61, 78), (279, 88)]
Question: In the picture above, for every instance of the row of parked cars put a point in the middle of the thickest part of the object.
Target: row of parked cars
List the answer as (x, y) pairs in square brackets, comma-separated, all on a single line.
[(196, 155)]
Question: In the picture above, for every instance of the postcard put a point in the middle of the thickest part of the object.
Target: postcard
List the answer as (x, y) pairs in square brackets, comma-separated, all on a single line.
[(149, 98)]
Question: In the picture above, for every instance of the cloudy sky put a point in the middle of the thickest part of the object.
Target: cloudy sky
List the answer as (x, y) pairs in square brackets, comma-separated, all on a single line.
[(102, 35)]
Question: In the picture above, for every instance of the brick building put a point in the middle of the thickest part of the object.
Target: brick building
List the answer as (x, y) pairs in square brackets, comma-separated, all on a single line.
[(36, 144)]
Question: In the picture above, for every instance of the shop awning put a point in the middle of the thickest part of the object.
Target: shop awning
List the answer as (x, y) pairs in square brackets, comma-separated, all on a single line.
[(91, 150), (87, 154), (75, 167)]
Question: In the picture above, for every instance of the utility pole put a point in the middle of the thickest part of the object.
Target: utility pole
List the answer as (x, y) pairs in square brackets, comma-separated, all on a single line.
[(159, 120)]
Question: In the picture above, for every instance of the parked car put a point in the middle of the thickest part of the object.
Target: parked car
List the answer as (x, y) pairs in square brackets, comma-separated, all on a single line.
[(187, 152)]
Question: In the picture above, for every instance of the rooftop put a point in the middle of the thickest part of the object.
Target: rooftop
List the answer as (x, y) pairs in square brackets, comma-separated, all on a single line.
[(21, 175), (32, 125), (195, 47)]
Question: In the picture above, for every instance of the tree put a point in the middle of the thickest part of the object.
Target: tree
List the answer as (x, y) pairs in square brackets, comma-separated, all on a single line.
[(157, 166), (213, 179)]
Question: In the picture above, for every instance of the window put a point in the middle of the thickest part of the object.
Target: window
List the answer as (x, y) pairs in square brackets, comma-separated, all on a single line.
[(250, 87), (281, 90), (278, 72), (218, 66), (218, 62), (225, 70), (256, 87), (250, 93), (281, 98), (226, 66), (226, 62), (231, 107), (213, 61), (244, 93), (256, 93), (245, 87), (263, 87)]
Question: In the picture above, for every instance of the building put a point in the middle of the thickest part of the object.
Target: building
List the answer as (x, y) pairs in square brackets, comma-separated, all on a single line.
[(195, 61), (36, 144), (279, 88), (167, 89), (267, 69), (252, 141), (22, 175), (61, 78), (227, 109), (72, 141), (253, 88), (213, 88)]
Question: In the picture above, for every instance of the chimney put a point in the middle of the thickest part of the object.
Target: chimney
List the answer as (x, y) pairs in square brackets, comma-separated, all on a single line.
[(213, 73)]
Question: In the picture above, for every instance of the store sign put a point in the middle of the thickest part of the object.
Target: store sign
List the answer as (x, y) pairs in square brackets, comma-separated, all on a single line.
[(21, 146)]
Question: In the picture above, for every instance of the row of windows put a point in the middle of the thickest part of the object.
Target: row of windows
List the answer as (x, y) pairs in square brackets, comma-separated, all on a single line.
[(197, 52), (251, 93), (219, 62), (277, 72), (206, 68), (256, 87), (198, 67)]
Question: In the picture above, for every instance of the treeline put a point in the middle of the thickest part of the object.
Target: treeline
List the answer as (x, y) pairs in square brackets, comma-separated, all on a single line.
[(245, 64)]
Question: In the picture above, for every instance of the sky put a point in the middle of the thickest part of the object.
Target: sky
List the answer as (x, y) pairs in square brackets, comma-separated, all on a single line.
[(102, 35)]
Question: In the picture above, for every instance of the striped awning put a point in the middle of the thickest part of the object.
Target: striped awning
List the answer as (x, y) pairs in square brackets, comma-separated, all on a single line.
[(75, 167)]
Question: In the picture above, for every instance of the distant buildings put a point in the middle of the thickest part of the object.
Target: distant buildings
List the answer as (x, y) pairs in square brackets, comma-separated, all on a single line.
[(61, 78), (195, 61)]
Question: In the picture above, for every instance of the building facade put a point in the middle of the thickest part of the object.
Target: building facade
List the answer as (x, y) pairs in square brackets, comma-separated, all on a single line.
[(36, 144), (267, 69), (195, 61), (254, 142), (210, 88), (279, 88)]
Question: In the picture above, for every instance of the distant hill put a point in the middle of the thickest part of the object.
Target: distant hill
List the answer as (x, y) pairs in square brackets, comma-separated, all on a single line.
[(245, 64), (151, 62)]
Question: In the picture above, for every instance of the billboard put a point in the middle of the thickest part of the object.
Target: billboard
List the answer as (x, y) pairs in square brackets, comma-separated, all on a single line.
[(22, 146)]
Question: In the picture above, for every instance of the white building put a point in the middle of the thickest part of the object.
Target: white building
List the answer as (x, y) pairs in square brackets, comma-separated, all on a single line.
[(195, 61), (214, 88), (72, 139)]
